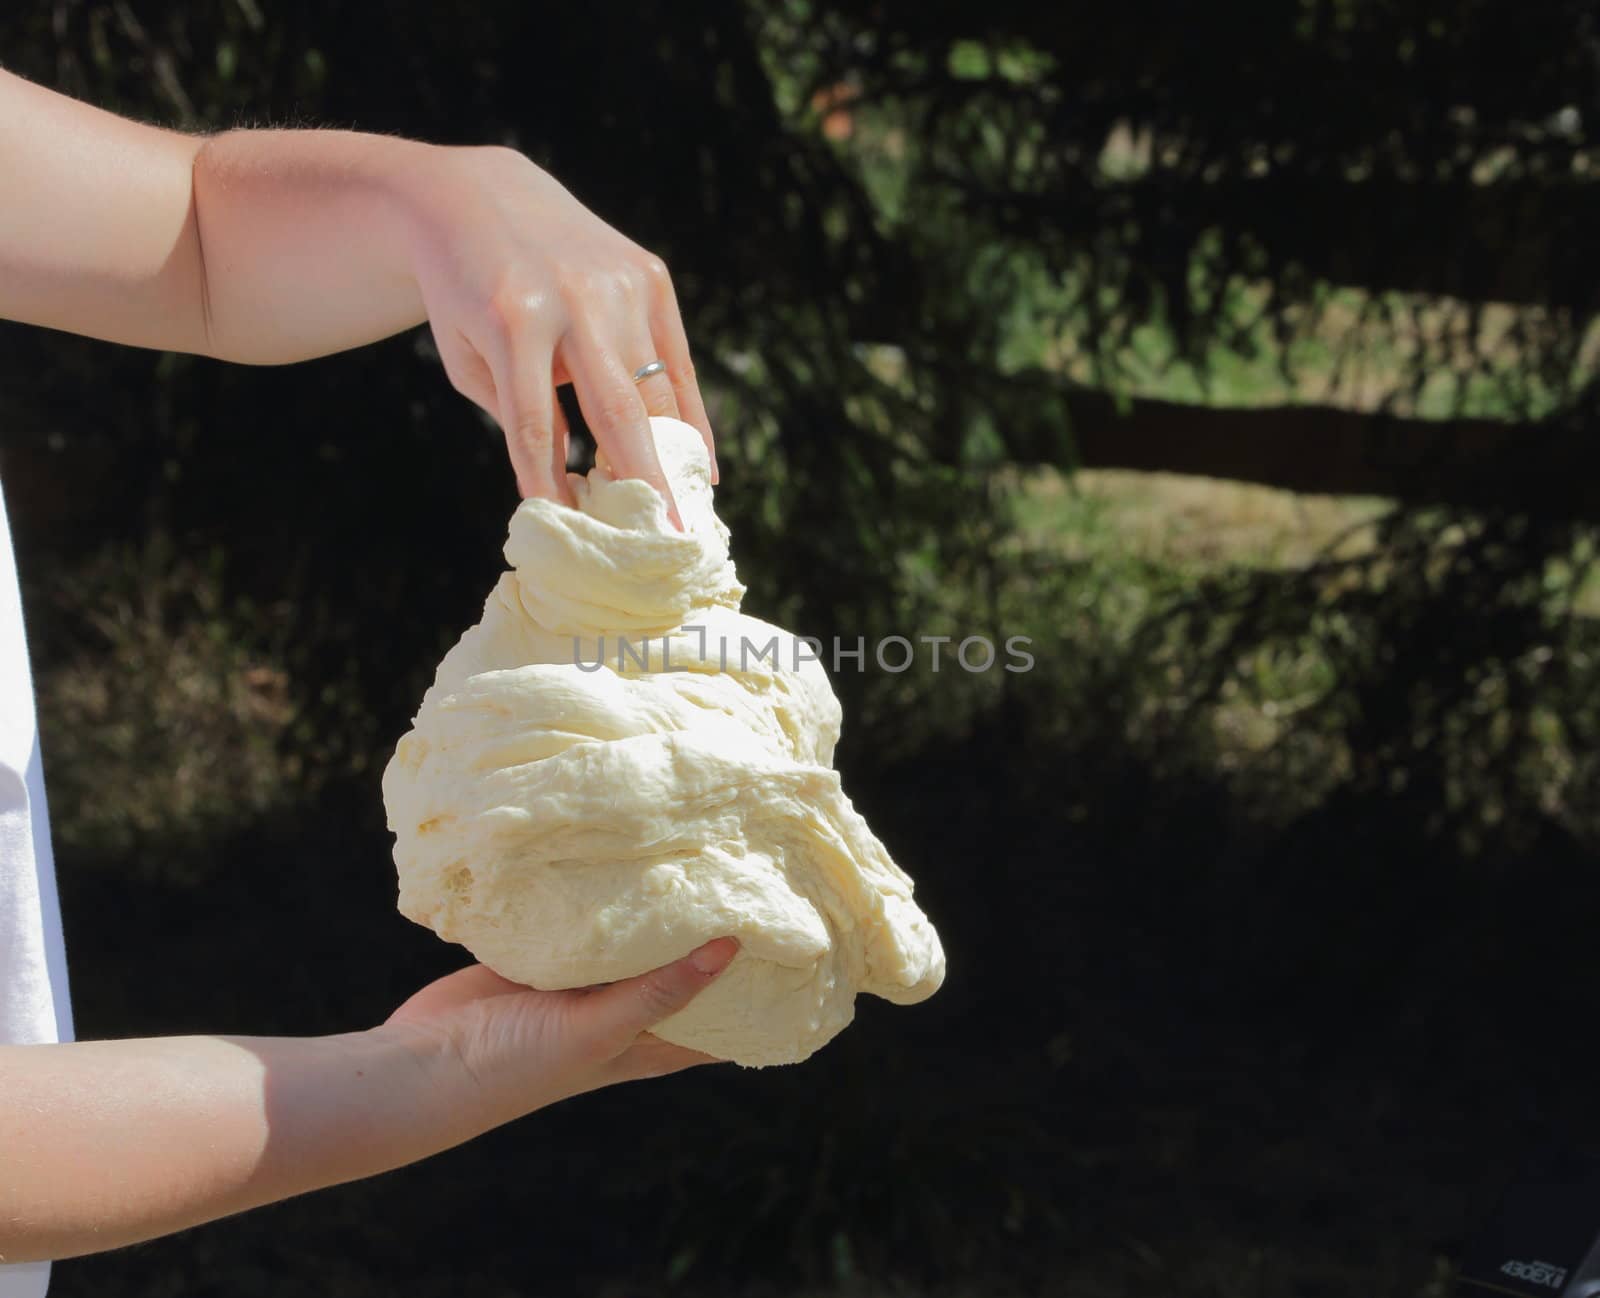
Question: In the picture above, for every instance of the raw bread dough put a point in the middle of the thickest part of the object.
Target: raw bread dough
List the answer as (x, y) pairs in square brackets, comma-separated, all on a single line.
[(572, 815)]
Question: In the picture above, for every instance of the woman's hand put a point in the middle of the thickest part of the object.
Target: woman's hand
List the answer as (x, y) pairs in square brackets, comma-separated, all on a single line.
[(525, 290), (110, 1142), (522, 1049), (268, 247)]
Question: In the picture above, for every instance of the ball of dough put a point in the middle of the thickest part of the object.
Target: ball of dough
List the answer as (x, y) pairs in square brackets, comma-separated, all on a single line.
[(616, 765)]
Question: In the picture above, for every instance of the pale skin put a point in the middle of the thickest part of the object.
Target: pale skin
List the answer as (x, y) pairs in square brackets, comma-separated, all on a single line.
[(267, 247)]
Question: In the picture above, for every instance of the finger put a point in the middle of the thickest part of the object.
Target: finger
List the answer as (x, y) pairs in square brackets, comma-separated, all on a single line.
[(522, 378), (672, 345), (656, 391), (616, 414), (613, 1017)]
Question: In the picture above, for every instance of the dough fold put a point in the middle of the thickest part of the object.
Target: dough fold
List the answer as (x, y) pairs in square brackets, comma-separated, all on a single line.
[(616, 765)]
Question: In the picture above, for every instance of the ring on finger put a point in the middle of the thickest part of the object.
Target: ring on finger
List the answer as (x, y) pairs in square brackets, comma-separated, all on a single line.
[(649, 371)]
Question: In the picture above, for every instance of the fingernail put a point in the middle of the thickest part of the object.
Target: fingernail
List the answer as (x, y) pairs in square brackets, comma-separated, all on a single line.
[(714, 956)]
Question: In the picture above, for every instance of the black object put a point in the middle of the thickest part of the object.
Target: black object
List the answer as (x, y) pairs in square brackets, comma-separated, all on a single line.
[(1544, 1239)]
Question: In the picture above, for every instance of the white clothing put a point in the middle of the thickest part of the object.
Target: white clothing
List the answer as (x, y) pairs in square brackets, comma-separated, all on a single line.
[(33, 963)]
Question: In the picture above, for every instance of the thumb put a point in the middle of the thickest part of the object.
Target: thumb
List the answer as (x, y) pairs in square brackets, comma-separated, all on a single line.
[(614, 1016)]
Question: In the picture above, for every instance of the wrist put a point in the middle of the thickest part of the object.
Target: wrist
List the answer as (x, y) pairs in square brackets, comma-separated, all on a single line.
[(416, 184), (457, 1092), (357, 1104), (477, 1067), (454, 197)]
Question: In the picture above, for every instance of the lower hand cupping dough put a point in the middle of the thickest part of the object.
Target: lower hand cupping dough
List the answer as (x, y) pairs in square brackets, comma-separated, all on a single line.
[(616, 765)]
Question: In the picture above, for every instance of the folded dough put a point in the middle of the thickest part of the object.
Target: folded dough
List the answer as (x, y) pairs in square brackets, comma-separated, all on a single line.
[(616, 765)]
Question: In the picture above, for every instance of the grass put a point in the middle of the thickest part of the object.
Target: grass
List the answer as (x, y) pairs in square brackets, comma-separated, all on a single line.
[(1187, 522), (1425, 358)]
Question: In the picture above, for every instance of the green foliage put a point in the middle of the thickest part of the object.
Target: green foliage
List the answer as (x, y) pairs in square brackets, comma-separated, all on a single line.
[(1456, 672)]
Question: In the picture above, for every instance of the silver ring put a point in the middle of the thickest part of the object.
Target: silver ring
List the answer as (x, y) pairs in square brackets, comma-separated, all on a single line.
[(649, 371)]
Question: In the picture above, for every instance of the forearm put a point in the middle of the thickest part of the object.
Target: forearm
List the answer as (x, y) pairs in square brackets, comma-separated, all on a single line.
[(106, 1143), (97, 232), (254, 246), (307, 239)]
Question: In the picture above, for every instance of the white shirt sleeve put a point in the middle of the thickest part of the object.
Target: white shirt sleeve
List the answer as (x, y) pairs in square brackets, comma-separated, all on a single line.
[(34, 1006)]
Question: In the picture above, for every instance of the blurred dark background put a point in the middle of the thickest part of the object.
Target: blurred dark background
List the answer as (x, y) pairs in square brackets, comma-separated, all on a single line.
[(1242, 356)]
